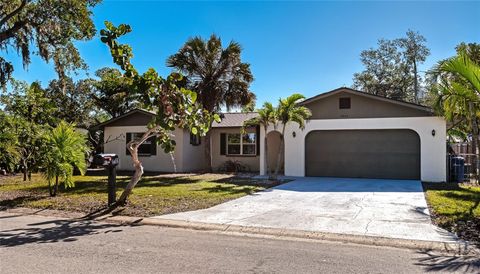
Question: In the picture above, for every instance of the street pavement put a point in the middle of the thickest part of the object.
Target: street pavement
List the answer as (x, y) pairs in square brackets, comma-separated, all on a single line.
[(38, 244)]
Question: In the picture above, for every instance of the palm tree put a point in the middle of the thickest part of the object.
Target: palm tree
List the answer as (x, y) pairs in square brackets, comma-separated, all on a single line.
[(216, 74), (67, 150), (459, 94), (267, 116), (288, 110)]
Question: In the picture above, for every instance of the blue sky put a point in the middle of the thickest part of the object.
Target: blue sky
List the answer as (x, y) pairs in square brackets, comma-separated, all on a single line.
[(306, 47)]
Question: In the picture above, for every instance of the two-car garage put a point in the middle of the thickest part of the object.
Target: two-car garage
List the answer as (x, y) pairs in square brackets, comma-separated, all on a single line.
[(353, 134), (382, 153)]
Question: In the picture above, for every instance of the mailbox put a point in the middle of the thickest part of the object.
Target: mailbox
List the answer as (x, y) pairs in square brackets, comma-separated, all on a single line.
[(110, 161), (105, 160)]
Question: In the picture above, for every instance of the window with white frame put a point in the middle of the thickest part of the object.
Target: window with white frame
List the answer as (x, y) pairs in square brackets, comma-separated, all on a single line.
[(241, 144)]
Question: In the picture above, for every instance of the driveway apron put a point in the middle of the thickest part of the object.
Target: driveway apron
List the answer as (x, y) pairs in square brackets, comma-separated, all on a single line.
[(371, 207)]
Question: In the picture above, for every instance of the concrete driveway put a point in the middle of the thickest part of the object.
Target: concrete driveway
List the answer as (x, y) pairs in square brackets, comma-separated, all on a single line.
[(373, 207)]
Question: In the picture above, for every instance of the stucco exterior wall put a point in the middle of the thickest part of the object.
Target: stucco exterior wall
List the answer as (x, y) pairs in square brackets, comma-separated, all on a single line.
[(251, 162), (114, 138), (361, 107), (432, 148), (193, 156)]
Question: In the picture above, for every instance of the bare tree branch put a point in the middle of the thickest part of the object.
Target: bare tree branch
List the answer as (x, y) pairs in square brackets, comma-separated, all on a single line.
[(13, 13), (9, 33)]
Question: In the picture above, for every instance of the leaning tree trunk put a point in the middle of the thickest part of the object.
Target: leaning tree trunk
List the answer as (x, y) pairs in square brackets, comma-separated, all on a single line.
[(280, 152), (133, 148)]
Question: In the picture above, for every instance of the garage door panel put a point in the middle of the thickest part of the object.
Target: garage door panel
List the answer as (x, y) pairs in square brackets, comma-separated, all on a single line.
[(388, 154)]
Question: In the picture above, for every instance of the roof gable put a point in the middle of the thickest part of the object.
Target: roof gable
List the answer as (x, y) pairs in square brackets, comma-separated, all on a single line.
[(363, 105), (135, 117)]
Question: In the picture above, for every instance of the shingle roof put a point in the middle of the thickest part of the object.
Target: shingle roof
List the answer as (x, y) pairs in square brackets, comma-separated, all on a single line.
[(229, 119), (234, 119)]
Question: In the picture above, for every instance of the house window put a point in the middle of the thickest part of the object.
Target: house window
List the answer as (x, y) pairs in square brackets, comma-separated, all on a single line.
[(242, 144), (148, 148), (195, 139), (344, 103)]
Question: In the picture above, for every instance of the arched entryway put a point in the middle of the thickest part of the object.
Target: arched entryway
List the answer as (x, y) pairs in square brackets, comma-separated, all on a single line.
[(273, 142)]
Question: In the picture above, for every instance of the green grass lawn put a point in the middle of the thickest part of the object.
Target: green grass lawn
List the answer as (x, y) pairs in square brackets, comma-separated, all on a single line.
[(153, 195), (455, 208)]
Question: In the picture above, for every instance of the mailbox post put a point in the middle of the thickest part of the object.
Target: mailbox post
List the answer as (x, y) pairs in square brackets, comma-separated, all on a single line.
[(109, 161)]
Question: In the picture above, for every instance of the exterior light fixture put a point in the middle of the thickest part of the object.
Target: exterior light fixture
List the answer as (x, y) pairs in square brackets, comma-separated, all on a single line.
[(433, 132), (294, 134)]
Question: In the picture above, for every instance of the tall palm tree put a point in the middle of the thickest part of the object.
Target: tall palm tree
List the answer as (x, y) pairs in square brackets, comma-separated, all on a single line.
[(459, 95), (216, 74), (288, 111), (67, 150), (267, 116)]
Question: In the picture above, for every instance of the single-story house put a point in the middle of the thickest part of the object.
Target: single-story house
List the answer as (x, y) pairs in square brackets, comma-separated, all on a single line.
[(350, 134)]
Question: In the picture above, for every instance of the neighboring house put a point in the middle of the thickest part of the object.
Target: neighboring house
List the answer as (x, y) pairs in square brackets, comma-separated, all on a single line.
[(350, 134)]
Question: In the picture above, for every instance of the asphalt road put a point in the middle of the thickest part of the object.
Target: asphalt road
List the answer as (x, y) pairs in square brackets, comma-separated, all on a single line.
[(36, 244)]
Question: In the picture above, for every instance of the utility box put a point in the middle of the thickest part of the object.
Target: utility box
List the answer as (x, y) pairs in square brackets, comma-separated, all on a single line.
[(110, 161)]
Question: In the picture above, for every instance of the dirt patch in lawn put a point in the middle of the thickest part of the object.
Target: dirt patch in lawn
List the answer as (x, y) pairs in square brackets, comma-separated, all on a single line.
[(155, 194)]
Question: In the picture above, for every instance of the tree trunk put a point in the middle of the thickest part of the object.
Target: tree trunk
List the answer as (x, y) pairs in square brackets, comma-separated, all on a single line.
[(50, 189), (415, 83), (280, 152), (208, 156), (25, 170), (133, 148), (133, 181), (53, 190), (56, 186)]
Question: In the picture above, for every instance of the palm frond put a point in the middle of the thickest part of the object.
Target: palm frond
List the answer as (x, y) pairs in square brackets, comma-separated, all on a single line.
[(68, 149), (464, 66)]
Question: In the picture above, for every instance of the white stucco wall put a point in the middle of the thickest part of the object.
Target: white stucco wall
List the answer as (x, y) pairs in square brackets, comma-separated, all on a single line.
[(193, 156), (432, 148), (114, 138)]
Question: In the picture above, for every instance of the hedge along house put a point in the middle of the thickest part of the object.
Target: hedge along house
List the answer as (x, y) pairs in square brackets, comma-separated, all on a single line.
[(350, 134), (359, 135), (228, 144)]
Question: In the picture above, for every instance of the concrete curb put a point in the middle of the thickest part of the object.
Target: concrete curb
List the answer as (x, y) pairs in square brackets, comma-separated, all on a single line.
[(457, 248)]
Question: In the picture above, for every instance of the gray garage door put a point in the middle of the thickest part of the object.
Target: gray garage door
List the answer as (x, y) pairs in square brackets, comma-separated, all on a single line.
[(385, 154)]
